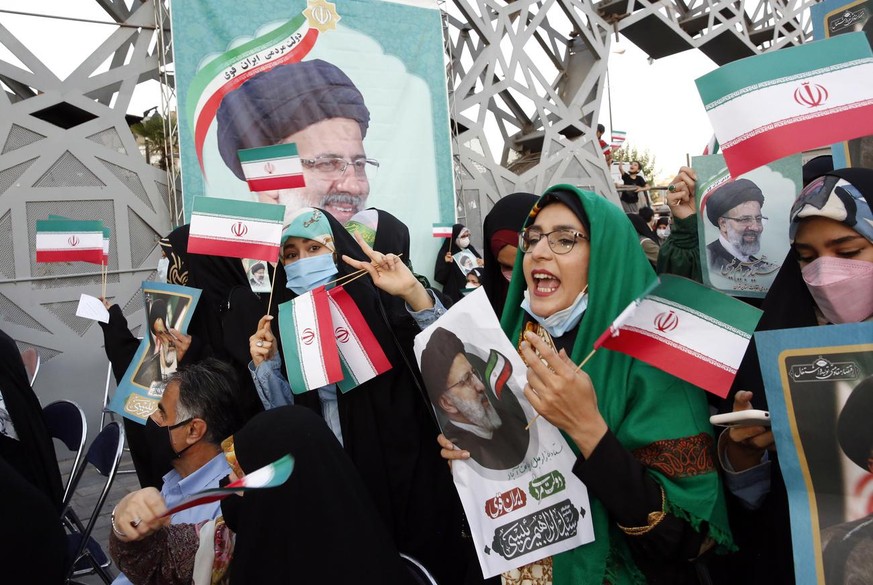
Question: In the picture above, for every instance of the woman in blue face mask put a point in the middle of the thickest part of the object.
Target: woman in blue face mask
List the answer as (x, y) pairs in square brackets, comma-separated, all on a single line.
[(384, 424)]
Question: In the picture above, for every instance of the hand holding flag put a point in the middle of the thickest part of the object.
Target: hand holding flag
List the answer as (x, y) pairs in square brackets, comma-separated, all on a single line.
[(269, 476)]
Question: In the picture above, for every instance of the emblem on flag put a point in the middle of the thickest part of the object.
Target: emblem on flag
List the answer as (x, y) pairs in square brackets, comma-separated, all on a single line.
[(813, 96), (239, 229), (666, 321), (308, 336), (342, 334), (73, 241)]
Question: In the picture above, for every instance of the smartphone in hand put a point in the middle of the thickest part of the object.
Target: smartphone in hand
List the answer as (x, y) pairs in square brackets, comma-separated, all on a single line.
[(742, 418)]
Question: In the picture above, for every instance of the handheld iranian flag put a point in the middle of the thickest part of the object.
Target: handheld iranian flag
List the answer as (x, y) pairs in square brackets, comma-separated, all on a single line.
[(782, 102), (442, 230), (106, 235), (69, 240), (618, 138), (360, 353), (687, 330), (272, 167), (310, 350), (238, 229), (269, 476)]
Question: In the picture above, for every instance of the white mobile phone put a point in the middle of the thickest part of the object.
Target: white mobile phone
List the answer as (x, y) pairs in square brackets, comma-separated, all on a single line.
[(742, 418)]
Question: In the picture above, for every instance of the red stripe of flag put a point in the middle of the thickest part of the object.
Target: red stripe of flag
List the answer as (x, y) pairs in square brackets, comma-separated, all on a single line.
[(275, 183), (94, 255), (791, 138), (680, 362), (231, 248), (332, 366)]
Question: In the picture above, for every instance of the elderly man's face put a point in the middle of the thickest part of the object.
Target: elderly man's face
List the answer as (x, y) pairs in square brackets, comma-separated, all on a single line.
[(465, 399), (342, 195), (742, 226)]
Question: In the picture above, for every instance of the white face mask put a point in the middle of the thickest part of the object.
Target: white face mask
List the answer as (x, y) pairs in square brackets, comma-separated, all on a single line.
[(463, 242), (163, 268), (663, 232)]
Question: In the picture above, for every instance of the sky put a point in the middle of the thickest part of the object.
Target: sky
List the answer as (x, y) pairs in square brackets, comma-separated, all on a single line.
[(656, 104)]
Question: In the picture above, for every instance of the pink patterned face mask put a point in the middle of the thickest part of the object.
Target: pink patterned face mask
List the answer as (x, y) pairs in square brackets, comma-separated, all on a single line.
[(842, 288)]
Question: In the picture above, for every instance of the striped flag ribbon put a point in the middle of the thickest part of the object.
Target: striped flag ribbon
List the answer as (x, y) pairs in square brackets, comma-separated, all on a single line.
[(685, 329)]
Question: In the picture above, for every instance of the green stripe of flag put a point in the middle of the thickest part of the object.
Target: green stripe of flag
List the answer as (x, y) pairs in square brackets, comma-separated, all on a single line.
[(69, 225), (781, 64), (243, 209), (205, 76), (107, 232), (248, 155), (733, 313)]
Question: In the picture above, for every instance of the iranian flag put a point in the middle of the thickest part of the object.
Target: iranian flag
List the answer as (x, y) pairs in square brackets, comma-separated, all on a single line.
[(310, 350), (69, 240), (288, 43), (270, 168), (238, 229), (360, 353), (779, 103), (618, 138), (442, 230), (498, 370), (106, 234), (687, 330)]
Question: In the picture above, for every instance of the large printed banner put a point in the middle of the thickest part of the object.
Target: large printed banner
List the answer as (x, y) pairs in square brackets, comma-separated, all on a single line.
[(521, 498), (832, 18), (819, 384), (358, 87), (742, 223)]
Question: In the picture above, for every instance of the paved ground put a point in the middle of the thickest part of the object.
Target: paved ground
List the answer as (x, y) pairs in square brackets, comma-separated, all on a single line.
[(86, 496)]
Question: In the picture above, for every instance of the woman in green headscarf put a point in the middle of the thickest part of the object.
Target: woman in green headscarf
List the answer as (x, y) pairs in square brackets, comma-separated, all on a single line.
[(643, 438)]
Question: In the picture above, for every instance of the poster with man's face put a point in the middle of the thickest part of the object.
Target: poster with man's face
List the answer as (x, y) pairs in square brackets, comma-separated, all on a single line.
[(819, 384), (365, 108), (168, 308), (742, 223), (829, 19), (521, 498)]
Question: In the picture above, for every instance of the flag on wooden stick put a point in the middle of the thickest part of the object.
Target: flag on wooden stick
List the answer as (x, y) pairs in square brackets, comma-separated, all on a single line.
[(69, 240), (766, 107), (686, 329), (237, 229)]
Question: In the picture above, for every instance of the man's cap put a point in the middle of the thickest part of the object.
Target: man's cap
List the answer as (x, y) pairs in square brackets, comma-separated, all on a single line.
[(437, 358), (728, 196), (258, 266), (854, 428), (272, 105)]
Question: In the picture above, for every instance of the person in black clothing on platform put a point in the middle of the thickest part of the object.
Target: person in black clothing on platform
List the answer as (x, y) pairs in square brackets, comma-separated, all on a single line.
[(630, 200)]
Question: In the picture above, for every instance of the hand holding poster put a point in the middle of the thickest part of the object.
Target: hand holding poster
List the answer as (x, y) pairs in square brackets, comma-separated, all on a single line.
[(521, 498), (819, 385), (742, 223), (167, 306)]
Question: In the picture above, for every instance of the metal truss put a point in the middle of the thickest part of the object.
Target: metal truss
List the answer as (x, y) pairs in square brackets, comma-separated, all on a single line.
[(525, 79)]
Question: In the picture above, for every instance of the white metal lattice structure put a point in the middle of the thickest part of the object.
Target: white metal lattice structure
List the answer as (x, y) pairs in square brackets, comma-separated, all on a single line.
[(66, 148), (525, 79)]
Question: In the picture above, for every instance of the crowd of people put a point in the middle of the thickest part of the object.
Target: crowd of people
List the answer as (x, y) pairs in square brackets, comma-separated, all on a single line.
[(671, 502)]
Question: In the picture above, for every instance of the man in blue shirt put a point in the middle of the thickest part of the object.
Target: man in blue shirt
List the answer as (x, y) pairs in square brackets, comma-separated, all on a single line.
[(197, 411)]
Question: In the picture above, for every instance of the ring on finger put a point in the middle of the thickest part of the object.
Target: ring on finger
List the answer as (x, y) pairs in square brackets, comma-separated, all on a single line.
[(671, 188), (260, 344), (136, 522)]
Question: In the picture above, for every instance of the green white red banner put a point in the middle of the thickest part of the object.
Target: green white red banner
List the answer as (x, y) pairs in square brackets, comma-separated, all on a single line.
[(783, 102), (360, 353), (687, 330), (271, 168), (310, 350), (237, 229), (69, 240)]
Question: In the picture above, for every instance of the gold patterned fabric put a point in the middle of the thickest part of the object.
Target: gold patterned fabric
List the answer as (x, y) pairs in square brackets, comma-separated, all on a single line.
[(538, 573)]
